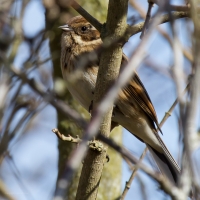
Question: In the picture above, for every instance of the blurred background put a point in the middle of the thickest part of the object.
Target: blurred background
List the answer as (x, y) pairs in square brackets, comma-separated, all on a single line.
[(29, 150)]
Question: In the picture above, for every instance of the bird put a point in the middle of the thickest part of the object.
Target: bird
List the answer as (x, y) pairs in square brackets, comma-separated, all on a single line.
[(133, 108)]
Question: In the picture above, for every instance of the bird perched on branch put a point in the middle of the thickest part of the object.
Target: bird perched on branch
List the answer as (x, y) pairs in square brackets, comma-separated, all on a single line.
[(134, 109)]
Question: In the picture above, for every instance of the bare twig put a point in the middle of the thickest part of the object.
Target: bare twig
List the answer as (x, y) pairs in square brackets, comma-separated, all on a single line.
[(68, 138), (177, 69), (128, 183), (174, 7), (86, 15), (93, 144), (179, 7), (148, 17), (157, 67), (169, 112), (136, 28), (165, 18)]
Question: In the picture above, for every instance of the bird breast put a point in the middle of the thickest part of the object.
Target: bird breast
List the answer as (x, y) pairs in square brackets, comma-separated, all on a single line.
[(83, 88)]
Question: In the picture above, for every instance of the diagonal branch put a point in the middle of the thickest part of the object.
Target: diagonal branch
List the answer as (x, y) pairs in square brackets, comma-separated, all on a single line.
[(132, 30), (86, 15)]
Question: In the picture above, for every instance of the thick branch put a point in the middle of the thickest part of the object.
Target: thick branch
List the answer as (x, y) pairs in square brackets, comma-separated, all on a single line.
[(108, 72), (132, 30)]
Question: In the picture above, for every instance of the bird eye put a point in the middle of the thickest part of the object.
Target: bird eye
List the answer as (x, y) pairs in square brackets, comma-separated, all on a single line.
[(83, 28)]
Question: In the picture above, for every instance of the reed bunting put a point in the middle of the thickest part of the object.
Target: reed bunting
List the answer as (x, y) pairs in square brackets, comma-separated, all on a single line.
[(134, 109)]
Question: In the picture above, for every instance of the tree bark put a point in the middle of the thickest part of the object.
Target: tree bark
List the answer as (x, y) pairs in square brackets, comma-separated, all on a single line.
[(110, 63)]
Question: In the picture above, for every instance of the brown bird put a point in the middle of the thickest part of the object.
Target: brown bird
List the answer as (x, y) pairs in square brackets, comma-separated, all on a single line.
[(134, 109)]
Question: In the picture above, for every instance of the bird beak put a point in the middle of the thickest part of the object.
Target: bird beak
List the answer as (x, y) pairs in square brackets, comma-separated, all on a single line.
[(65, 28)]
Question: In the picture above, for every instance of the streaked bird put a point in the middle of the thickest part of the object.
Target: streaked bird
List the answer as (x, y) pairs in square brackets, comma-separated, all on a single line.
[(134, 109)]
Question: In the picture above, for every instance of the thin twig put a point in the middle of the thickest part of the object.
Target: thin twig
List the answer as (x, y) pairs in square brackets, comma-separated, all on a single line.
[(179, 7), (174, 7), (169, 112), (128, 184), (132, 30), (93, 144), (86, 15), (68, 138), (146, 23)]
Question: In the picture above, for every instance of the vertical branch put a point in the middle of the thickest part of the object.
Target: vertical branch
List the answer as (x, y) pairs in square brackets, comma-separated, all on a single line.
[(110, 63), (190, 132)]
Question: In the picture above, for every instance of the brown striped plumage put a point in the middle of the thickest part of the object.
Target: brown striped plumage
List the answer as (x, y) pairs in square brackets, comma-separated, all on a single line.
[(134, 109)]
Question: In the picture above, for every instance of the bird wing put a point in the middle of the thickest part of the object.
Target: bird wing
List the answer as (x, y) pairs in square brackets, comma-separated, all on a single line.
[(137, 93), (136, 90)]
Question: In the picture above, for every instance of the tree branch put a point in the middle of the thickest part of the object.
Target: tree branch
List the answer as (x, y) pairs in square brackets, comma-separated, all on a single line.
[(110, 63), (86, 15), (134, 172), (132, 30)]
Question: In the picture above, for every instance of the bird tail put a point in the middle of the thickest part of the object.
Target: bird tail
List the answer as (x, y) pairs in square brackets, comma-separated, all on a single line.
[(165, 165)]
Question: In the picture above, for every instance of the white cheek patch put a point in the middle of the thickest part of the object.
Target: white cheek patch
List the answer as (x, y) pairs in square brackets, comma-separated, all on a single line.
[(78, 39), (81, 42)]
